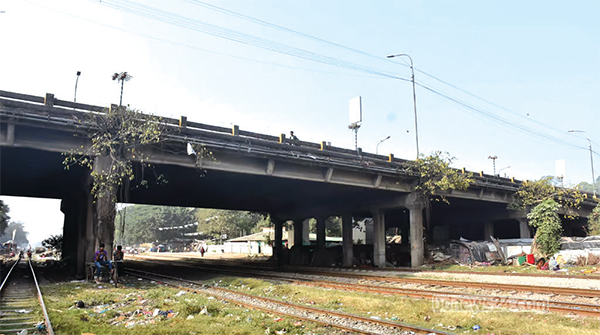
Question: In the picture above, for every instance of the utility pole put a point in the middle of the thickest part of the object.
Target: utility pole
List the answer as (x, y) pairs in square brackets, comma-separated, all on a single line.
[(591, 158), (493, 158)]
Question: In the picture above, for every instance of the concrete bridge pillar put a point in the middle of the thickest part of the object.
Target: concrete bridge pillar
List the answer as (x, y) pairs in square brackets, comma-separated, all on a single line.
[(277, 248), (416, 205), (524, 228), (298, 232), (347, 240), (488, 230), (321, 233), (305, 232), (379, 238), (73, 251)]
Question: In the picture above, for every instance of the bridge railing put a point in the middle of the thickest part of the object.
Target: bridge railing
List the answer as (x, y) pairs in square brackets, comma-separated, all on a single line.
[(47, 108)]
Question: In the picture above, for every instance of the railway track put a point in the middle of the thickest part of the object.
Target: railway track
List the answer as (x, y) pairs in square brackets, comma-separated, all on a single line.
[(486, 301), (20, 296), (343, 321)]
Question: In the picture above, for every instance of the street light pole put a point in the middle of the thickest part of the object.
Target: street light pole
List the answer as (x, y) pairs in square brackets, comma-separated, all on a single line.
[(377, 147), (591, 158), (493, 158), (76, 81), (122, 77), (414, 96)]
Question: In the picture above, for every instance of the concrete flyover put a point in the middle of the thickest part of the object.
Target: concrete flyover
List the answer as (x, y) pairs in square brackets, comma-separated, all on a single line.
[(290, 179)]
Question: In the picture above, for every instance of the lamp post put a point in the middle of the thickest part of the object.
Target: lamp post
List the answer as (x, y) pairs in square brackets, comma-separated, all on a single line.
[(504, 168), (122, 77), (414, 97), (591, 158), (377, 147), (76, 81), (493, 158)]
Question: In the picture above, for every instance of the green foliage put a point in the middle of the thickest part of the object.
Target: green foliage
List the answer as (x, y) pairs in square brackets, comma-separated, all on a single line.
[(593, 227), (120, 136), (4, 218), (333, 226), (531, 193), (549, 227), (144, 223), (436, 177), (220, 222), (587, 187), (20, 235), (54, 242)]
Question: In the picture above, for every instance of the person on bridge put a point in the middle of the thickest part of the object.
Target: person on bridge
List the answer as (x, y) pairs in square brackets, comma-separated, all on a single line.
[(100, 259), (293, 137), (118, 258)]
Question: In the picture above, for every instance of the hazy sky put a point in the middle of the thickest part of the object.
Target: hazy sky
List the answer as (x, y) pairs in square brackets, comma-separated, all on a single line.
[(522, 73)]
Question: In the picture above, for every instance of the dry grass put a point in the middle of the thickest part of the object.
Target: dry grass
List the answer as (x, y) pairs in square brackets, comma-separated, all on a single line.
[(112, 303), (421, 312)]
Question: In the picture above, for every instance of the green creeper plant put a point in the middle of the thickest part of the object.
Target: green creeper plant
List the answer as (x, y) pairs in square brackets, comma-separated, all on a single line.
[(118, 135), (532, 193), (549, 228), (436, 177), (593, 227)]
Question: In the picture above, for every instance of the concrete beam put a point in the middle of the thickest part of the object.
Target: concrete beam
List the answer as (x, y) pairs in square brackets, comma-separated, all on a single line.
[(277, 247), (488, 230), (306, 232), (524, 230)]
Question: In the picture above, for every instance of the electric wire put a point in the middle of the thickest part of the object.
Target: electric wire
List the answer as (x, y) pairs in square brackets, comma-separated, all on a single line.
[(295, 32), (232, 35)]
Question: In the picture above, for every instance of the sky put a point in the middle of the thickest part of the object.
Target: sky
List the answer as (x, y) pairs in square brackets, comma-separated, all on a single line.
[(494, 78)]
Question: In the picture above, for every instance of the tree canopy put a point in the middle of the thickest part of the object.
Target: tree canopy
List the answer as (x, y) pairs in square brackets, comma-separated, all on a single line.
[(145, 223), (18, 228), (532, 193), (4, 218), (549, 227), (436, 177)]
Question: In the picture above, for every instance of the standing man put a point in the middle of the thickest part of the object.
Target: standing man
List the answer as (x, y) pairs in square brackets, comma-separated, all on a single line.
[(293, 137), (101, 258)]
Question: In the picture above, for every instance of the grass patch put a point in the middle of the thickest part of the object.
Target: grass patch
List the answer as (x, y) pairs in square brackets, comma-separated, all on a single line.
[(418, 312), (129, 311)]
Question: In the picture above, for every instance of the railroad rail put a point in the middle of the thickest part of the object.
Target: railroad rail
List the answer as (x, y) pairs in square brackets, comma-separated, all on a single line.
[(18, 294), (474, 299), (344, 321)]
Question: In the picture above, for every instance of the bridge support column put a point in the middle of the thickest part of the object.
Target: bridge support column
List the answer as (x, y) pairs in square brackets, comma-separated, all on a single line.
[(105, 212), (488, 230), (379, 238), (298, 233), (416, 205), (524, 228), (73, 251), (306, 232), (347, 240), (321, 233), (277, 248)]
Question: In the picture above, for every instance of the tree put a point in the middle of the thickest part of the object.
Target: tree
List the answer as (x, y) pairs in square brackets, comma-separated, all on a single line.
[(333, 226), (220, 222), (549, 228), (16, 231), (532, 193), (546, 198), (436, 177), (593, 227), (4, 218), (119, 135), (54, 242), (145, 223)]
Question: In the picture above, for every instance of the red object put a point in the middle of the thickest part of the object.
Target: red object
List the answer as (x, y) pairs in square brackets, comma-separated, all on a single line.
[(530, 259)]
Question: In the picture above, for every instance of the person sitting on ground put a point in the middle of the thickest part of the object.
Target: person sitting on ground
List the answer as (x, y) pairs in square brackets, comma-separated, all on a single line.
[(101, 258), (118, 258), (542, 264)]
